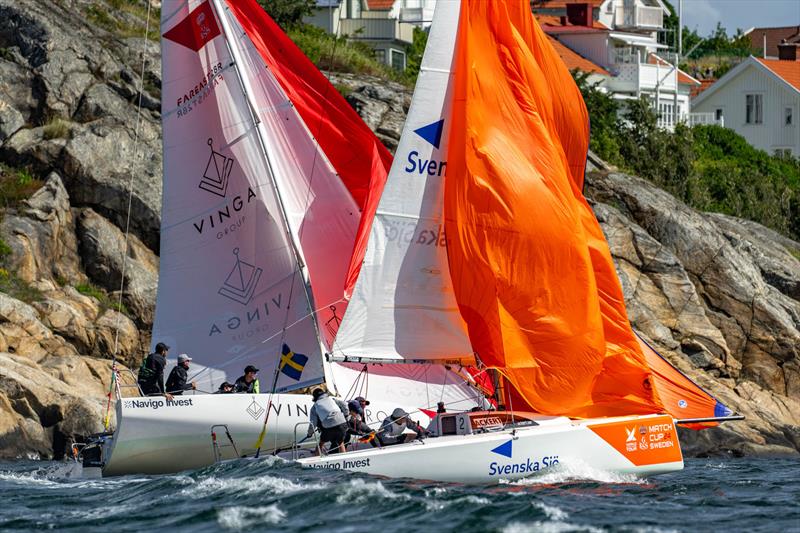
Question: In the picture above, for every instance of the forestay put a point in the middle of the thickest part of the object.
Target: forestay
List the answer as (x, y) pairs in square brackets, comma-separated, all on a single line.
[(230, 291), (402, 306)]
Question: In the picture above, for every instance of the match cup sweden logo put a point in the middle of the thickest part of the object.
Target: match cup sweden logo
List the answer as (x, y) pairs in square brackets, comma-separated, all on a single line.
[(292, 364)]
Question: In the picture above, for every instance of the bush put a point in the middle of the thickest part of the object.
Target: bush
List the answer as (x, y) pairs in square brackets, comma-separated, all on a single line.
[(106, 302), (56, 128), (16, 185)]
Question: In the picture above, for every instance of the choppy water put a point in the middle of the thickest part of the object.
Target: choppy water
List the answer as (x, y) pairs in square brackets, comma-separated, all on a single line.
[(270, 494)]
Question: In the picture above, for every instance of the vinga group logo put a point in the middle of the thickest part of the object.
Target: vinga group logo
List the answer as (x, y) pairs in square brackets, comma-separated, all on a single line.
[(240, 285), (218, 170)]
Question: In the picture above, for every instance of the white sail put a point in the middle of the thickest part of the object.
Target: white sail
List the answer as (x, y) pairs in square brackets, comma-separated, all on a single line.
[(321, 212), (231, 292), (403, 305)]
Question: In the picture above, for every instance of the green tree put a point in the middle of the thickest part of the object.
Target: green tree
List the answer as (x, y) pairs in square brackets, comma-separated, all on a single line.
[(414, 53), (603, 118), (287, 13)]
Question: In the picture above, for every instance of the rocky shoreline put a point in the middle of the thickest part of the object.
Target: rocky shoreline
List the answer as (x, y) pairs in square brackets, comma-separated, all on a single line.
[(719, 296)]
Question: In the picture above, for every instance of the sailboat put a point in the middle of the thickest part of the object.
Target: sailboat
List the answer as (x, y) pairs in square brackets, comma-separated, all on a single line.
[(292, 241)]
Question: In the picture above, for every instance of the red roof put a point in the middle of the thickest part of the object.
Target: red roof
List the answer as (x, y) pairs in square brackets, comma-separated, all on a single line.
[(682, 76), (573, 60), (788, 71), (552, 24), (379, 5), (562, 4), (704, 84), (774, 37)]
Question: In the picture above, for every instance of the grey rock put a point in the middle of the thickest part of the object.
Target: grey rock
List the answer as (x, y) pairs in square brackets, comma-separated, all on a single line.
[(41, 235), (102, 250)]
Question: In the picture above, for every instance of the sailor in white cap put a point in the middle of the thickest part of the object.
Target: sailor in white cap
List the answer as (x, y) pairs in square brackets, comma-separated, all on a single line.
[(177, 380), (393, 429)]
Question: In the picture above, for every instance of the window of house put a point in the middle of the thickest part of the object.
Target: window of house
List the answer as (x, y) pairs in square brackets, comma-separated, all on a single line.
[(783, 152), (380, 56), (788, 119), (718, 114), (398, 60), (753, 109)]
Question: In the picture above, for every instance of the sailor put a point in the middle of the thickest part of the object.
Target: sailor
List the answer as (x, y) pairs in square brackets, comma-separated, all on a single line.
[(248, 382), (178, 377), (329, 415), (392, 431), (357, 427), (151, 373), (225, 388), (358, 405)]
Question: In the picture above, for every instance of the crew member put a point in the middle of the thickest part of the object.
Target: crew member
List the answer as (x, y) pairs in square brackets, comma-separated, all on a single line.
[(179, 376), (357, 427), (249, 382), (151, 373), (329, 415), (225, 388), (393, 427), (358, 405)]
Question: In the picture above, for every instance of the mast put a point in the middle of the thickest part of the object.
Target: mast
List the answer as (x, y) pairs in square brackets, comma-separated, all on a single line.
[(265, 152)]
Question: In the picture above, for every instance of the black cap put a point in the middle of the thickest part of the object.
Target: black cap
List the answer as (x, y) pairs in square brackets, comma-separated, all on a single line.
[(250, 368), (161, 347), (317, 393), (360, 399)]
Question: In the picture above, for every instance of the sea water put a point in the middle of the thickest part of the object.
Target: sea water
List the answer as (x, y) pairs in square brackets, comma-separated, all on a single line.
[(271, 494)]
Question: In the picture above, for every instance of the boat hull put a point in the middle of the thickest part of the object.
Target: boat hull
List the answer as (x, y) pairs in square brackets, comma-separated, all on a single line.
[(638, 445), (156, 436)]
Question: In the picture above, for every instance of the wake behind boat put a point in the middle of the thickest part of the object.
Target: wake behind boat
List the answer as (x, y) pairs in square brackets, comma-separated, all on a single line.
[(468, 270)]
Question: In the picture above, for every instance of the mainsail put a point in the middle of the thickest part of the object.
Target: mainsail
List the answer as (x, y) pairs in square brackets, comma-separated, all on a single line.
[(231, 289)]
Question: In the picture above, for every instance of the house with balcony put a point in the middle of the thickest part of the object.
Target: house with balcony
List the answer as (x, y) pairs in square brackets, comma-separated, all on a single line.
[(760, 100), (621, 36), (385, 25)]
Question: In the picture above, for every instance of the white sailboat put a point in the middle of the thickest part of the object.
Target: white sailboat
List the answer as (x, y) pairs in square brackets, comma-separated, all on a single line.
[(263, 235)]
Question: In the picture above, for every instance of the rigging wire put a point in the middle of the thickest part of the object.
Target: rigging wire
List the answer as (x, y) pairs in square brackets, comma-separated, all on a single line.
[(124, 251)]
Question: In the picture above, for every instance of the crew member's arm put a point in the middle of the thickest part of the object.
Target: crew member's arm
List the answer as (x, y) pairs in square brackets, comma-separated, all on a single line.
[(158, 367), (313, 421), (173, 381)]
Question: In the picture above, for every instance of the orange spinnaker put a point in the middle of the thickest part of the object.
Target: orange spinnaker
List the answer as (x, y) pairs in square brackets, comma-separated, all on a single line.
[(531, 270)]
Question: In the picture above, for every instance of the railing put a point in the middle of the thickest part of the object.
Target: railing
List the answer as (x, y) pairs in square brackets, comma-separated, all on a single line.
[(707, 119), (377, 29), (639, 17)]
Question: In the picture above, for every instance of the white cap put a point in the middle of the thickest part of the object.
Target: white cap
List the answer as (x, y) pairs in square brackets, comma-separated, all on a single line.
[(183, 357)]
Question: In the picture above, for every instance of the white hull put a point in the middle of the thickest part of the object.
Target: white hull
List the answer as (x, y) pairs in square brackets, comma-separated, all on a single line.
[(485, 458), (154, 436)]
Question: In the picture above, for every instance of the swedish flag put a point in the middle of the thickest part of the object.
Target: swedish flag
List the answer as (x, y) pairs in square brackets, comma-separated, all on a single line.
[(292, 364)]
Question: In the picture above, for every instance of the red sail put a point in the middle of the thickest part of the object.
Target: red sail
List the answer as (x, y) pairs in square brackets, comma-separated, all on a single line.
[(359, 158)]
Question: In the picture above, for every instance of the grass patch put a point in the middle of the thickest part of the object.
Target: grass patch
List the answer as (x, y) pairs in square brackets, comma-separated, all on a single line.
[(795, 252), (106, 302), (344, 90), (16, 185), (124, 18), (56, 128), (337, 54), (16, 288)]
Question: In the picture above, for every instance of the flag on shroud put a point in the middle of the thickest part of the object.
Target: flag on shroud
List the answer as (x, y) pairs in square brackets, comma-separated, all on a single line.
[(292, 364)]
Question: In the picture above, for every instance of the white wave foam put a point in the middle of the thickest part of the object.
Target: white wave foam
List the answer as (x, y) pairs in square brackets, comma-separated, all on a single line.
[(239, 517), (552, 512), (360, 491), (547, 527), (251, 485), (577, 471), (438, 505)]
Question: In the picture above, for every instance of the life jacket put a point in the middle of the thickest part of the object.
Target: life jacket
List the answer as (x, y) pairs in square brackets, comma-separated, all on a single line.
[(146, 374)]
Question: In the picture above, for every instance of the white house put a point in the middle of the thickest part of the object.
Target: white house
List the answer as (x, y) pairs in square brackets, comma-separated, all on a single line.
[(386, 25), (621, 36), (760, 100)]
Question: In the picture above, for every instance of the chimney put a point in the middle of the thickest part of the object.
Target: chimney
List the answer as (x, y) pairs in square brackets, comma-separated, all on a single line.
[(579, 14), (563, 20), (787, 51)]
